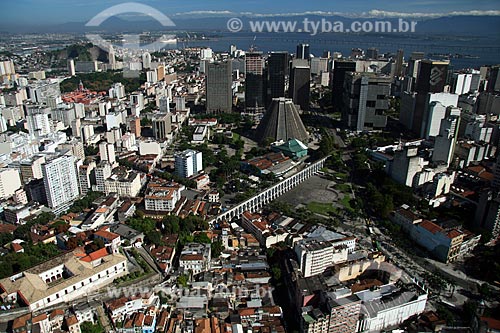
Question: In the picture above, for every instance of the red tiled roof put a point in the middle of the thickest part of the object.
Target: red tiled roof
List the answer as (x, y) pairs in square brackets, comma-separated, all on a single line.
[(70, 321), (96, 255), (106, 234), (7, 228), (431, 227), (493, 324), (16, 247), (453, 234), (56, 313)]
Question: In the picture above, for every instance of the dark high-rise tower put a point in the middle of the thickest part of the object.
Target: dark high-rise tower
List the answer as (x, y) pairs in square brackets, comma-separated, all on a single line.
[(372, 53), (299, 90), (432, 76), (254, 82), (398, 70), (218, 87), (431, 79), (303, 51), (277, 71), (493, 79), (340, 67)]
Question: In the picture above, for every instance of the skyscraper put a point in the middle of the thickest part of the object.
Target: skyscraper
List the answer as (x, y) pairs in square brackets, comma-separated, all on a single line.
[(432, 76), (254, 82), (302, 51), (431, 79), (300, 89), (340, 68), (218, 87), (277, 73), (398, 70), (493, 79), (366, 100), (60, 180)]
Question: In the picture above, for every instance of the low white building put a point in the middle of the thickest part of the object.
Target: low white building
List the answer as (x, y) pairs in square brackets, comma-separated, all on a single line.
[(63, 278), (195, 258), (390, 305), (162, 197)]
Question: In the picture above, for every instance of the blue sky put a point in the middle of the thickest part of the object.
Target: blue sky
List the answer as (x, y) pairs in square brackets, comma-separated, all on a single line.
[(61, 11)]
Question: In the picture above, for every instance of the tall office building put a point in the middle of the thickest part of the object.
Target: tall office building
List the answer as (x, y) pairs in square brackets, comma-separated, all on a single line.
[(414, 63), (300, 86), (188, 163), (431, 78), (398, 70), (366, 100), (493, 79), (340, 68), (277, 73), (218, 87), (162, 125), (254, 82), (319, 65), (302, 51), (444, 145), (60, 180), (107, 152)]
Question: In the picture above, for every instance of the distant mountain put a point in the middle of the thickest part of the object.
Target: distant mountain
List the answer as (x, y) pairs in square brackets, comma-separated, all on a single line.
[(451, 25)]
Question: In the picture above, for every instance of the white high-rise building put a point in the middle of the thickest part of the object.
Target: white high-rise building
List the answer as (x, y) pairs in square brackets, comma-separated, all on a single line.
[(146, 60), (71, 67), (111, 57), (188, 163), (10, 182), (102, 172), (444, 145), (107, 152), (38, 124), (117, 90), (60, 180), (436, 111)]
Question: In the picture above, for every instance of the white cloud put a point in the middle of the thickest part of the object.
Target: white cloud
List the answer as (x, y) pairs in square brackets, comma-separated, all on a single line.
[(375, 13), (382, 13)]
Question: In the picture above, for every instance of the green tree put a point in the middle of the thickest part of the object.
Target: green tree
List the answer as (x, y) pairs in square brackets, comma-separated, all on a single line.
[(88, 327), (217, 248), (201, 237)]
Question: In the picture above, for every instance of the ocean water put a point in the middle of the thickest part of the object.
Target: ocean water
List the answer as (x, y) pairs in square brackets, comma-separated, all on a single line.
[(485, 50)]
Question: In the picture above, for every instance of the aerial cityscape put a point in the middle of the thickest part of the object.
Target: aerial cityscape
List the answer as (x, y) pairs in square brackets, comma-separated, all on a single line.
[(249, 167)]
